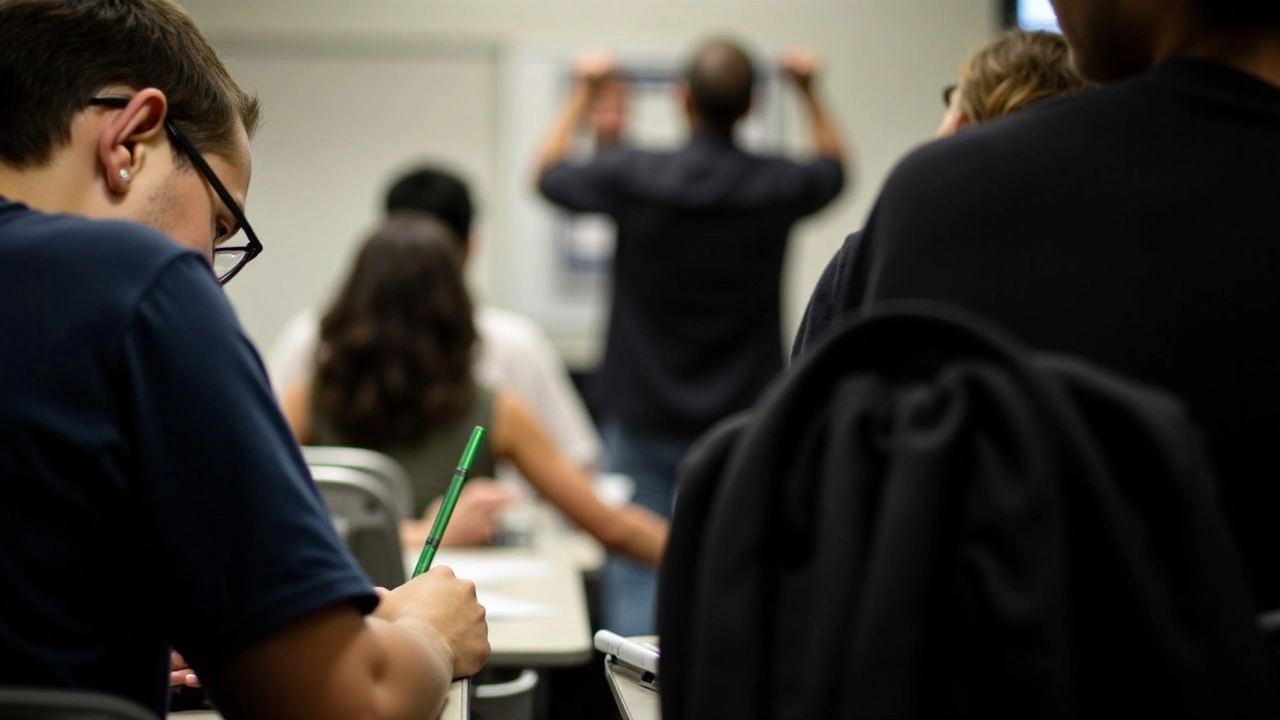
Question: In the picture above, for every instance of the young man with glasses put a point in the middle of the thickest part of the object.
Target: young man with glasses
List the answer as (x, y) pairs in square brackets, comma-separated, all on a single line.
[(154, 497)]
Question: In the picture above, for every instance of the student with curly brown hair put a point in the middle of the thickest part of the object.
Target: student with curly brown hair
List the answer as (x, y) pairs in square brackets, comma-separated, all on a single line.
[(394, 374)]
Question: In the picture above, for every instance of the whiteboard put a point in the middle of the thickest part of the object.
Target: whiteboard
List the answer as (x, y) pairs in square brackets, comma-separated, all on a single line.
[(340, 120)]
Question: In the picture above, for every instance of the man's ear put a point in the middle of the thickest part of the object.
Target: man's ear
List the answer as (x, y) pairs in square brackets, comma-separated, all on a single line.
[(122, 140)]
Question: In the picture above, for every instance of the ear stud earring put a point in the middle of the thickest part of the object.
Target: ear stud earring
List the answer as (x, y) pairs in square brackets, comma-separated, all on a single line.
[(124, 175)]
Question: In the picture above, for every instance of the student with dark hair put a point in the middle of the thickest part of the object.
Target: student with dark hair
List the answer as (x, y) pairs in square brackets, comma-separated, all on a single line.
[(1134, 225), (154, 497), (395, 375), (695, 326)]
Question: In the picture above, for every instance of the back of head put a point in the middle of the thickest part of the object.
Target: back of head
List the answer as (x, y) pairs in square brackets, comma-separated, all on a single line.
[(435, 192), (396, 345), (1014, 71), (721, 79), (57, 54)]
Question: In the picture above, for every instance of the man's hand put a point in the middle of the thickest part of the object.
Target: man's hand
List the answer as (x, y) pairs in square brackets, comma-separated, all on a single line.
[(593, 68), (474, 518), (442, 609), (180, 674), (592, 71), (801, 66)]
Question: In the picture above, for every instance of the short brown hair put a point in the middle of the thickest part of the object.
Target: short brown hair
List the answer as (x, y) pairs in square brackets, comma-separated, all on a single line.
[(721, 80), (56, 54), (1015, 70)]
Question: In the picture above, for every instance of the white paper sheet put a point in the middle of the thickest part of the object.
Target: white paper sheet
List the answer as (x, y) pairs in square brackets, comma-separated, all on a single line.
[(501, 607), (491, 571)]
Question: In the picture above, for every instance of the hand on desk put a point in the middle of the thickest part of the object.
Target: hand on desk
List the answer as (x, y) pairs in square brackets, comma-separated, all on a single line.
[(474, 519), (439, 607)]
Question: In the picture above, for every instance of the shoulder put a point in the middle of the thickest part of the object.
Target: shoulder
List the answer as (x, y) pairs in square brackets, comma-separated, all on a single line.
[(1013, 154), (102, 244), (298, 335), (506, 329), (305, 321), (98, 267)]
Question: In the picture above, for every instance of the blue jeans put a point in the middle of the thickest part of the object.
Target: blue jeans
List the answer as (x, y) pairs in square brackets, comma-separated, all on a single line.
[(629, 590)]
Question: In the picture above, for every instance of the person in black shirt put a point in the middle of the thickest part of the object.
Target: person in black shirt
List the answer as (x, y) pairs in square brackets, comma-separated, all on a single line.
[(153, 495), (1135, 225), (1014, 71), (695, 330)]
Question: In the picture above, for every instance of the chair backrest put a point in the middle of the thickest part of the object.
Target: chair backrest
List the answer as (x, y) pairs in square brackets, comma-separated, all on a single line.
[(375, 464), (363, 510), (511, 700), (51, 704)]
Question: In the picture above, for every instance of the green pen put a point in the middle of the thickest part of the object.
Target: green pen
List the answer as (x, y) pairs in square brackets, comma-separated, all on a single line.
[(450, 499)]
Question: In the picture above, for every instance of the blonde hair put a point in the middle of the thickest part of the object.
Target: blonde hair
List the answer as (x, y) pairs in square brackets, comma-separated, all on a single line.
[(1013, 71)]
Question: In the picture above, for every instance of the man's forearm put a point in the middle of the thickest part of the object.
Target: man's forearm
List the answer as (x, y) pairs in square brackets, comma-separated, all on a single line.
[(415, 680), (336, 665), (826, 140), (556, 146)]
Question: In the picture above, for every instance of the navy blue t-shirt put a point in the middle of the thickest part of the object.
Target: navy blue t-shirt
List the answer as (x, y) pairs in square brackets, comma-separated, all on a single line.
[(151, 494)]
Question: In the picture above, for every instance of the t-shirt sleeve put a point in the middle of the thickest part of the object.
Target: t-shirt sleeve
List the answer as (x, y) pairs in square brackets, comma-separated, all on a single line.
[(241, 531), (818, 183), (581, 187)]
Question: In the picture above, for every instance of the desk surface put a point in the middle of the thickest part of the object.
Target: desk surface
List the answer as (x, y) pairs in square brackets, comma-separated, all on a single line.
[(536, 605), (635, 700), (555, 535), (456, 707)]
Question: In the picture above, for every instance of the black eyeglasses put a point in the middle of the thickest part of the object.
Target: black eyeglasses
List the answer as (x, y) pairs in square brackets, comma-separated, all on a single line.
[(227, 261), (947, 93)]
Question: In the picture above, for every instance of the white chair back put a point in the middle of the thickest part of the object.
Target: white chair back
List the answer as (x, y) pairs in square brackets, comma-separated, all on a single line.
[(363, 511), (383, 468), (511, 700)]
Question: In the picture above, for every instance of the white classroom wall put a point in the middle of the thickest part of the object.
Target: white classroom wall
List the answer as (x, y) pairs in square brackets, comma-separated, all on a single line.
[(354, 91)]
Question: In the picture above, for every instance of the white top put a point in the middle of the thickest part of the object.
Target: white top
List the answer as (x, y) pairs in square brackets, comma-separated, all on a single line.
[(513, 354)]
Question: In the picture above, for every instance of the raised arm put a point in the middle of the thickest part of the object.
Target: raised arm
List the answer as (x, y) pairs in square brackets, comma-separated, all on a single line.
[(631, 530), (803, 68), (590, 73)]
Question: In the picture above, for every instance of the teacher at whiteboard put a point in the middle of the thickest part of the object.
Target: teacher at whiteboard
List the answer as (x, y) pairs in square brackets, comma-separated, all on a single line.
[(695, 326)]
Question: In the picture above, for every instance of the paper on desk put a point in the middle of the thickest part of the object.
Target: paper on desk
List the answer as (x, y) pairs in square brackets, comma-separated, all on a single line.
[(488, 571), (502, 607), (614, 489)]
